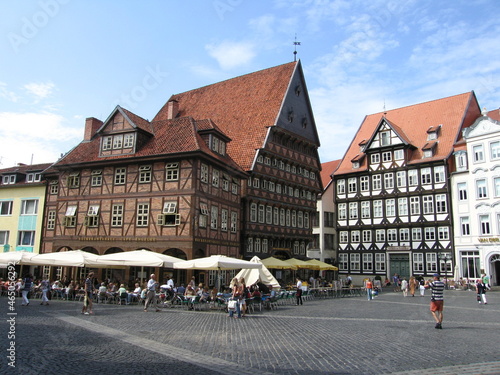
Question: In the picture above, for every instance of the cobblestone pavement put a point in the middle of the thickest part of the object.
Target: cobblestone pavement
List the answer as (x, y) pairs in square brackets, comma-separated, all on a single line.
[(389, 335)]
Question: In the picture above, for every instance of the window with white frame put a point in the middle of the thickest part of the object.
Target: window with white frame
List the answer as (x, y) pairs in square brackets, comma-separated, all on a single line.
[(224, 216), (416, 234), (495, 150), (300, 219), (253, 212), (276, 216), (144, 174), (142, 218), (343, 261), (306, 220), (6, 208), (404, 234), (464, 226), (29, 207), (341, 187), (294, 219), (353, 210), (256, 245), (418, 262), (96, 177), (203, 217), (365, 210), (342, 211), (234, 186), (414, 205), (380, 235), (439, 174), (430, 234), (364, 183), (53, 187), (481, 189), (73, 180), (234, 222), (204, 173), (399, 154), (352, 185), (386, 156), (120, 176), (431, 260), (379, 262), (9, 179), (117, 215), (377, 182), (496, 186), (392, 235), (26, 238), (355, 262), (70, 216), (461, 160), (250, 244), (428, 204), (343, 236), (355, 236), (368, 262), (478, 153), (262, 214), (214, 217), (256, 182), (117, 141), (107, 143), (484, 224), (425, 176), (443, 233), (296, 247), (128, 140), (389, 180), (172, 172), (401, 179), (390, 207), (402, 206), (441, 205), (367, 236), (384, 138), (375, 158), (377, 208), (215, 178), (462, 191), (269, 214), (412, 177), (282, 217), (51, 219), (33, 177)]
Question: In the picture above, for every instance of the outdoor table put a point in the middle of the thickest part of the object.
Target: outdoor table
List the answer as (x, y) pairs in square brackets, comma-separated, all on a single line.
[(350, 292)]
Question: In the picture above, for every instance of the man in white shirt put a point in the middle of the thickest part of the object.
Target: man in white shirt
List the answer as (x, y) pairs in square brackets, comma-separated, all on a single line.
[(151, 292)]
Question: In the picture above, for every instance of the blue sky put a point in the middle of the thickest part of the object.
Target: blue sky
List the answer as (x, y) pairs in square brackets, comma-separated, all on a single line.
[(64, 60)]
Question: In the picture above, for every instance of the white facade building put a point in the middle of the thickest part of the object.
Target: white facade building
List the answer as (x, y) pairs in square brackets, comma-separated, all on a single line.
[(476, 201)]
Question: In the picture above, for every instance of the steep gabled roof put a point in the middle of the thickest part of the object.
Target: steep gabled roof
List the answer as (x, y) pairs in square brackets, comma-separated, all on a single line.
[(243, 107), (134, 120), (25, 168), (453, 113), (327, 170)]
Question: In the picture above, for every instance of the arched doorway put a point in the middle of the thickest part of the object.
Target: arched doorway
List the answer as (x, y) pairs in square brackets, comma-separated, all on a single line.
[(494, 269)]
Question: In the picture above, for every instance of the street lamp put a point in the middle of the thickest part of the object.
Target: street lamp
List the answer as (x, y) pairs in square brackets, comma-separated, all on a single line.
[(445, 257)]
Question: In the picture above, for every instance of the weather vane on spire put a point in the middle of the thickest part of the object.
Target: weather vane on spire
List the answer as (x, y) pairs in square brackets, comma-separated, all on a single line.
[(295, 43)]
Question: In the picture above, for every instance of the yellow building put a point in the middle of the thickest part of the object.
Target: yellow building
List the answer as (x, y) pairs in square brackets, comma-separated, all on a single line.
[(22, 198)]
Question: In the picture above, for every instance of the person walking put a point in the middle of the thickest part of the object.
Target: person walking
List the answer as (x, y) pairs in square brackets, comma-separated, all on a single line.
[(26, 285), (89, 294), (151, 292), (298, 292), (369, 289), (412, 285), (481, 292), (235, 296), (421, 287), (404, 287), (395, 281), (44, 286), (437, 300)]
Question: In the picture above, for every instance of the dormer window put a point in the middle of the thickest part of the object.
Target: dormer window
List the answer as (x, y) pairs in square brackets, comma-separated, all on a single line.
[(429, 149), (433, 132), (217, 145), (33, 177), (128, 141), (107, 143), (9, 179)]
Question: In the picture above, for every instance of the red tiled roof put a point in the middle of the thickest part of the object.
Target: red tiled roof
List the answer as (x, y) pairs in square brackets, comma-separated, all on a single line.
[(494, 115), (138, 120), (25, 168), (243, 107), (327, 170), (412, 123), (171, 137)]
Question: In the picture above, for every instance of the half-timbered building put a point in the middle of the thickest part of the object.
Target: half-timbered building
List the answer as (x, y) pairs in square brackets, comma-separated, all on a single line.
[(393, 191)]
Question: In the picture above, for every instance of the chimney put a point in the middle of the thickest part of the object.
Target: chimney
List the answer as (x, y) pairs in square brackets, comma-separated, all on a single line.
[(91, 126), (172, 109)]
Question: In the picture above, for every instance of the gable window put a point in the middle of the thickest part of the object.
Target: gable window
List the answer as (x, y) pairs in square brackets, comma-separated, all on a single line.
[(478, 153), (128, 141), (29, 207), (120, 174), (96, 179), (33, 177), (5, 208), (144, 174), (235, 183), (117, 142), (385, 138), (9, 179), (107, 143)]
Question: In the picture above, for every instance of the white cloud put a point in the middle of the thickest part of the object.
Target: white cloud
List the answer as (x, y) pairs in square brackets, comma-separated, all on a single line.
[(230, 55), (43, 135), (7, 94), (39, 90)]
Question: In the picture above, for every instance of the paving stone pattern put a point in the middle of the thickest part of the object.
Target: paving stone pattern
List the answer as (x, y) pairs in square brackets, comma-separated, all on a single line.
[(389, 335)]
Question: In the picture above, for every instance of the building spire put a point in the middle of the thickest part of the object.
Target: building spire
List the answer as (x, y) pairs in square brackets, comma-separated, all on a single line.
[(295, 43)]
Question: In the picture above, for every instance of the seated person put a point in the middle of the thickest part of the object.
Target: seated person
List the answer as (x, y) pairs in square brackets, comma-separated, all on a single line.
[(205, 295), (112, 290), (122, 292), (134, 294), (189, 291), (256, 293), (181, 290)]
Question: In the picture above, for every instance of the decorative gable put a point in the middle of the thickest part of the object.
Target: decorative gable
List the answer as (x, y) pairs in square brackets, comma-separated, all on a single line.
[(385, 135)]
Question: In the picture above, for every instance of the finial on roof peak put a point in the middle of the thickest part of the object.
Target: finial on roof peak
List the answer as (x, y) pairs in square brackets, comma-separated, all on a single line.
[(295, 43), (484, 111)]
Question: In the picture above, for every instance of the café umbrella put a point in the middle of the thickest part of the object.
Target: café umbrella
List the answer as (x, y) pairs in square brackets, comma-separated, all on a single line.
[(71, 258), (252, 275), (139, 258), (275, 263), (322, 265)]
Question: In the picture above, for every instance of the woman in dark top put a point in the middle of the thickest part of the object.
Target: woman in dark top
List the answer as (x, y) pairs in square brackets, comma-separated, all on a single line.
[(28, 283)]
